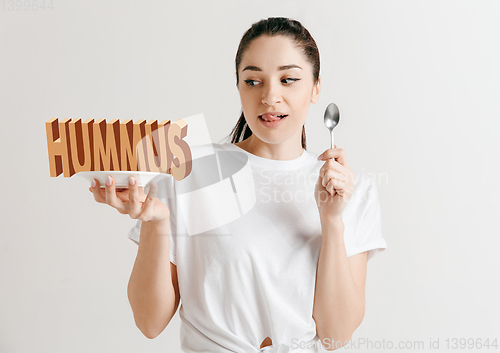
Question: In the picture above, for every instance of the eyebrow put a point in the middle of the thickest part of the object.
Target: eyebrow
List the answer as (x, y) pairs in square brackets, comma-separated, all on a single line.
[(281, 68)]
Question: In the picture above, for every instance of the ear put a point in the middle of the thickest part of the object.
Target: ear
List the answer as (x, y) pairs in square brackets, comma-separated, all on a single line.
[(316, 91)]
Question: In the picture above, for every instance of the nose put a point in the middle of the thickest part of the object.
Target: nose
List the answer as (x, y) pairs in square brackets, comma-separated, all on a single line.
[(271, 94)]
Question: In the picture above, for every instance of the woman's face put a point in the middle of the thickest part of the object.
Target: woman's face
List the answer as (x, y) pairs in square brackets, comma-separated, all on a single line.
[(275, 76)]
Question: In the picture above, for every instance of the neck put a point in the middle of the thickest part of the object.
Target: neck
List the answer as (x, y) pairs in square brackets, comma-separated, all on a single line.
[(286, 150)]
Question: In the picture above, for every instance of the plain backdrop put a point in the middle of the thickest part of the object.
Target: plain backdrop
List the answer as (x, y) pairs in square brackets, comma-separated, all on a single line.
[(418, 87)]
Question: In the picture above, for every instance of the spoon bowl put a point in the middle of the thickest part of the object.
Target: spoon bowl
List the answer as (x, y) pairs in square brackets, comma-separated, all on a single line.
[(332, 118)]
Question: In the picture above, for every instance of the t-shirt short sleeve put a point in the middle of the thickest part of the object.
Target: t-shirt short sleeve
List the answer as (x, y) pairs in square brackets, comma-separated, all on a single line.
[(166, 194), (368, 234)]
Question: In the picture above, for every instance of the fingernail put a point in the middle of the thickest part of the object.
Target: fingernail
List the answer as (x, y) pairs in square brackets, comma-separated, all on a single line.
[(92, 183), (320, 157), (108, 181), (131, 180)]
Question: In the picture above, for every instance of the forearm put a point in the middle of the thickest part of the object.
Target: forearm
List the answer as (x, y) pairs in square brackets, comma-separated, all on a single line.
[(338, 304), (150, 289)]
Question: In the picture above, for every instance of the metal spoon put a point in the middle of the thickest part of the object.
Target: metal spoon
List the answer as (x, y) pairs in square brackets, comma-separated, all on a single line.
[(332, 117)]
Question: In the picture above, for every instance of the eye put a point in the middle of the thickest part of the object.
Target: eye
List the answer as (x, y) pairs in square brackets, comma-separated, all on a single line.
[(290, 79), (250, 82)]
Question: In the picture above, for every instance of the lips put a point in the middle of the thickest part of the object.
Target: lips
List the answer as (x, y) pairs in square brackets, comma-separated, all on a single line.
[(273, 116)]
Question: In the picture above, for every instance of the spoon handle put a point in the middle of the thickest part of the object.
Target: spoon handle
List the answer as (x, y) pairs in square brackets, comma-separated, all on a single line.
[(331, 146)]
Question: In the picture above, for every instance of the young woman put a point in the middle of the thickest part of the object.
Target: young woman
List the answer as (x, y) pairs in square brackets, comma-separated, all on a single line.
[(290, 270)]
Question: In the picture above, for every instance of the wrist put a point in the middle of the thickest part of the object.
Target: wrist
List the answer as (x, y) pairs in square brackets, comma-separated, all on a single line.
[(333, 228), (161, 225), (335, 222)]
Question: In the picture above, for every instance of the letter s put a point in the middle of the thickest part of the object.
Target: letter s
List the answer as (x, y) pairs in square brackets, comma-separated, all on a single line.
[(182, 165)]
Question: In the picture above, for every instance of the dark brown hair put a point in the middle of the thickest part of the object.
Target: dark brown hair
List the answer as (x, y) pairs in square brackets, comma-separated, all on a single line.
[(274, 26)]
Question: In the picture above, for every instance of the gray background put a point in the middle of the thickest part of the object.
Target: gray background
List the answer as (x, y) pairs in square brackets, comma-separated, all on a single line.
[(418, 86)]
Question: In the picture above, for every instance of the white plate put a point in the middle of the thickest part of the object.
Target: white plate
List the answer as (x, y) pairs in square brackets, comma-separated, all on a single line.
[(120, 177)]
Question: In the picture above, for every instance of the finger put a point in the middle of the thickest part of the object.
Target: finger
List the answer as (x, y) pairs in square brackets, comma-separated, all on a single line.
[(323, 195), (345, 192), (136, 199), (336, 185), (338, 154), (98, 193), (343, 184), (148, 210), (153, 190), (332, 182), (123, 195), (343, 188), (111, 198), (334, 165), (330, 187), (332, 174), (348, 177)]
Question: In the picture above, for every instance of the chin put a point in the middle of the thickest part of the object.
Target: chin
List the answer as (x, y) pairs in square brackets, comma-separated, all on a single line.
[(272, 138)]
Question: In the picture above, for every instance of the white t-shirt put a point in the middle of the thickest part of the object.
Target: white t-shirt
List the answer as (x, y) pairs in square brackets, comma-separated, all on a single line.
[(245, 236)]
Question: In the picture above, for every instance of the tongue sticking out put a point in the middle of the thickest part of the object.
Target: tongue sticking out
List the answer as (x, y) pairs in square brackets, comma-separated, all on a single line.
[(269, 117)]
